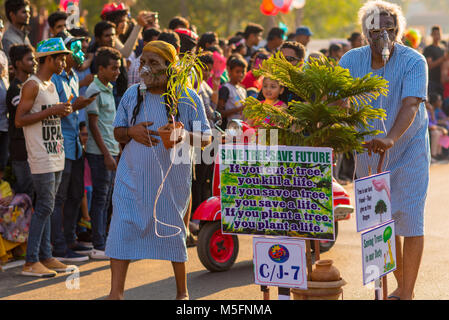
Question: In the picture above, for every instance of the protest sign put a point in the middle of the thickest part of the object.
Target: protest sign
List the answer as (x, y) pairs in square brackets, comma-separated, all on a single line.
[(280, 262), (372, 200), (378, 252), (281, 191)]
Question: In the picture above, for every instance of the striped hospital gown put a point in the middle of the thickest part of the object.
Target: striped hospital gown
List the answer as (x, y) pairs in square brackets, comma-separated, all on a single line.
[(409, 159), (140, 171)]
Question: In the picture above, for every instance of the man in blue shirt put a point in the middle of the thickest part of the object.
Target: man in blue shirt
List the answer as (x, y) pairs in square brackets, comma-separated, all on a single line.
[(71, 189)]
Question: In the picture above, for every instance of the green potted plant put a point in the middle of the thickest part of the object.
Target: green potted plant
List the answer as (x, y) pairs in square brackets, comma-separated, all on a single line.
[(319, 120), (182, 75), (334, 112)]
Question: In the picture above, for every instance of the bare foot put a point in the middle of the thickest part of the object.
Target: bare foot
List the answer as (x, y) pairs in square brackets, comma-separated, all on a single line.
[(184, 296)]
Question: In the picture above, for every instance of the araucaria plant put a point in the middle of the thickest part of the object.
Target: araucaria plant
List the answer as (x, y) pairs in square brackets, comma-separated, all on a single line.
[(334, 111)]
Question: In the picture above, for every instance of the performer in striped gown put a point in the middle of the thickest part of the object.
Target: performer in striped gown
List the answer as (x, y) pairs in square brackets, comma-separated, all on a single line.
[(406, 140), (134, 232)]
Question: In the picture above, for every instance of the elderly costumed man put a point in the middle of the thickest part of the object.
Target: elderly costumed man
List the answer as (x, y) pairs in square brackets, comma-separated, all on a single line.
[(137, 231), (405, 140)]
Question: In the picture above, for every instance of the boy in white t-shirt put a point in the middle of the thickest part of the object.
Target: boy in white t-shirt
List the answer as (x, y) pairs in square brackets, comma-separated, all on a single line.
[(39, 114)]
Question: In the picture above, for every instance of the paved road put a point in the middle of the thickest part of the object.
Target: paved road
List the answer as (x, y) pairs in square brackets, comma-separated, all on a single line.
[(153, 280)]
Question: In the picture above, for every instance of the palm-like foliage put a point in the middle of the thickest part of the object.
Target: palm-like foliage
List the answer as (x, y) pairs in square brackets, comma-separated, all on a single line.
[(320, 120), (182, 75)]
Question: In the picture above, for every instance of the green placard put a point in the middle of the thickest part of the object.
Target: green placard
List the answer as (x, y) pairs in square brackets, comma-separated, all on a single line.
[(277, 191)]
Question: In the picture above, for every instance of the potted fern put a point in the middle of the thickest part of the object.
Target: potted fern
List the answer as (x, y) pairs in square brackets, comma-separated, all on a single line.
[(182, 75), (334, 112)]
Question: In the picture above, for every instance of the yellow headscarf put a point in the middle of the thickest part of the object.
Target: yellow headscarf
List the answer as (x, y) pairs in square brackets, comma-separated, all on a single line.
[(163, 49)]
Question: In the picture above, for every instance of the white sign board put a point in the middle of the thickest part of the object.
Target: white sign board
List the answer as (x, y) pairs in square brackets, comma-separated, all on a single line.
[(378, 252), (372, 200), (280, 262)]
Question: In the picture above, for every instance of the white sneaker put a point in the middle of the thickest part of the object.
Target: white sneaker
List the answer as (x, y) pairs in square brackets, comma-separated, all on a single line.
[(98, 255)]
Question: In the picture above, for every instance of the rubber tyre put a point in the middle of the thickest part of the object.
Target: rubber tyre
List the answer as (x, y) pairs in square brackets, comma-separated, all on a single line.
[(210, 246), (326, 246)]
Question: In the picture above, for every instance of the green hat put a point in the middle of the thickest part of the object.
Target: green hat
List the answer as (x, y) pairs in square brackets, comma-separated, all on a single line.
[(51, 46)]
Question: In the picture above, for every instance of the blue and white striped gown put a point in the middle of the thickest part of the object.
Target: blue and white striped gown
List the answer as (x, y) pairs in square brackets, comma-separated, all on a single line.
[(132, 231), (409, 159)]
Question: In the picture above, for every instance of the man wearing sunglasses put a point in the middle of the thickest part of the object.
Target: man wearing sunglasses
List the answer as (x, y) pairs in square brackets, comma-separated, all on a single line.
[(405, 137)]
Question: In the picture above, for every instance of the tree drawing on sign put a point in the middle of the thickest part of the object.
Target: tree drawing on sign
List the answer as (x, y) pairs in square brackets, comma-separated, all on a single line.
[(381, 207)]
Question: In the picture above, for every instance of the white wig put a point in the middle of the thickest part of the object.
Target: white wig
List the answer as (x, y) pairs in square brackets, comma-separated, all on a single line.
[(369, 16)]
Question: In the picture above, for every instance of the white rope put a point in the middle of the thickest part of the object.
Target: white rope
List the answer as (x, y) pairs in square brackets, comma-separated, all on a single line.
[(159, 191)]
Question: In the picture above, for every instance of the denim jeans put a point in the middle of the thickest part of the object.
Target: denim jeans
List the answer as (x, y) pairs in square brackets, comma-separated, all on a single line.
[(70, 195), (24, 181), (102, 181), (39, 245)]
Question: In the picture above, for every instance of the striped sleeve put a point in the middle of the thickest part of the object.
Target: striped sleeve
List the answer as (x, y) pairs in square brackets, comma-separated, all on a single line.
[(416, 80)]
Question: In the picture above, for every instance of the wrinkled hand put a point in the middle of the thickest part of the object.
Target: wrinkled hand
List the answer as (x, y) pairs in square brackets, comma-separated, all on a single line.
[(141, 134), (379, 145)]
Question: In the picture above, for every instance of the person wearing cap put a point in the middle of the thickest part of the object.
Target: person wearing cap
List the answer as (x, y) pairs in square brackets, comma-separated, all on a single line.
[(71, 190), (39, 113), (134, 231), (189, 40), (303, 35), (118, 14)]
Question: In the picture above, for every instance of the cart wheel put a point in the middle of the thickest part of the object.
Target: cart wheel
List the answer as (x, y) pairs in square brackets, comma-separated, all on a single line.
[(326, 245), (217, 251)]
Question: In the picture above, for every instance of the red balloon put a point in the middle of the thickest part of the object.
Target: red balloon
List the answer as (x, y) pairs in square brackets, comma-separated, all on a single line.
[(286, 7), (268, 8)]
